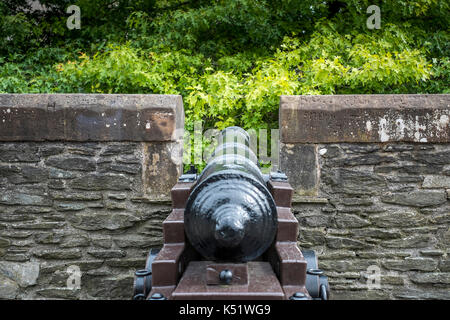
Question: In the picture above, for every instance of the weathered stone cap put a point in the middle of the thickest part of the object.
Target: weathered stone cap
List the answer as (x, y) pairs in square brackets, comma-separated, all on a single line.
[(90, 117), (365, 118)]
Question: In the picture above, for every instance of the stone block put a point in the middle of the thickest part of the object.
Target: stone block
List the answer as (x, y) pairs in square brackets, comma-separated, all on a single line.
[(126, 263), (444, 265), (356, 201), (131, 169), (4, 243), (71, 163), (392, 280), (162, 166), (364, 160), (50, 150), (119, 149), (347, 265), (411, 264), (96, 181), (118, 197), (67, 206), (24, 152), (382, 233), (29, 174), (24, 274), (49, 267), (37, 225), (414, 241), (337, 255), (365, 118), (419, 198), (350, 221), (58, 254), (102, 221), (75, 241), (311, 237), (347, 243), (59, 293), (135, 242), (315, 221), (90, 117), (9, 289), (353, 182), (420, 294), (107, 254), (61, 174), (105, 243), (398, 219), (360, 295), (437, 181), (432, 158), (32, 210), (118, 287), (57, 185), (47, 238), (14, 197), (76, 196), (430, 278), (299, 162), (432, 252)]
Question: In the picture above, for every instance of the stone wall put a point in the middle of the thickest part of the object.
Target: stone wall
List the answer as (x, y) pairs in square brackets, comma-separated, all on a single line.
[(84, 183), (85, 180), (372, 182)]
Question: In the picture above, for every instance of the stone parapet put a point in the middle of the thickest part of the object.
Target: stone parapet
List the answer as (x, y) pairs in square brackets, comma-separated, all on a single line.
[(365, 118), (379, 167), (90, 117), (84, 185)]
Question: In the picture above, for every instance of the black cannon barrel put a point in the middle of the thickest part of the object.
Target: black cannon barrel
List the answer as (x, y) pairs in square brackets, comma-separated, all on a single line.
[(230, 214)]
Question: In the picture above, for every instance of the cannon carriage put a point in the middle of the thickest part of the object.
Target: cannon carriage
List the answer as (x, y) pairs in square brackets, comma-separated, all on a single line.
[(231, 235)]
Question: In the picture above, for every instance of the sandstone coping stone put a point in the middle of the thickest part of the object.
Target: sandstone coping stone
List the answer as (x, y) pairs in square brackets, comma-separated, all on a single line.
[(365, 118), (91, 117)]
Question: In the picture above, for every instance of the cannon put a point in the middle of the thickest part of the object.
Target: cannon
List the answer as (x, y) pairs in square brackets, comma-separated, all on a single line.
[(231, 235)]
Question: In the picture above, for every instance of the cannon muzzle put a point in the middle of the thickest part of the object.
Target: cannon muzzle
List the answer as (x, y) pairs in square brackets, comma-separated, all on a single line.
[(230, 214)]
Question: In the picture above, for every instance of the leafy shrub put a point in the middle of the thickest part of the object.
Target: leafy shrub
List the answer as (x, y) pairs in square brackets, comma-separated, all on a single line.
[(229, 59)]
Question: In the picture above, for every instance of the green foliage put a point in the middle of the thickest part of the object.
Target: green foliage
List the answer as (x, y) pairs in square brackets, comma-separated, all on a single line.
[(229, 59)]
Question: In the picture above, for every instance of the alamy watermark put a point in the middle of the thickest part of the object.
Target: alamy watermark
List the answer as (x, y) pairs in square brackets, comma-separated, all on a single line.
[(74, 21), (373, 277), (74, 280), (199, 146), (374, 20)]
